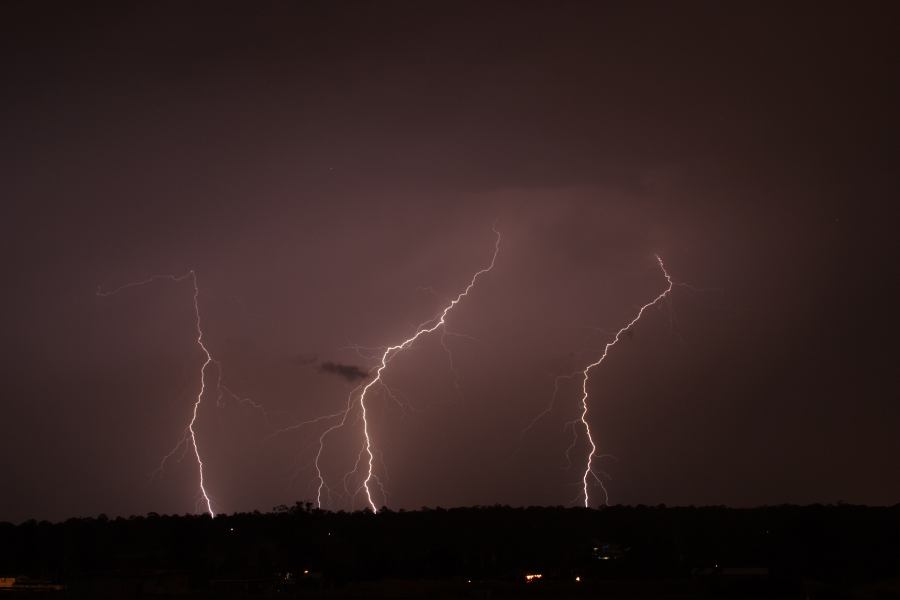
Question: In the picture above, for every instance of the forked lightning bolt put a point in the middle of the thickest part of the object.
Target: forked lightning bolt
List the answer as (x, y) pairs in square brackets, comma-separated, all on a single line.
[(189, 431), (588, 471), (387, 356)]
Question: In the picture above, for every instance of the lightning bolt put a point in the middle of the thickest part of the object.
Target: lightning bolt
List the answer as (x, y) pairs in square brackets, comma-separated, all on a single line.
[(189, 430), (445, 333), (589, 471), (367, 456)]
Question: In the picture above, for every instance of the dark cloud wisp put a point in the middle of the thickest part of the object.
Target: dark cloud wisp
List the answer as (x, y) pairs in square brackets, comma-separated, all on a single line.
[(348, 372)]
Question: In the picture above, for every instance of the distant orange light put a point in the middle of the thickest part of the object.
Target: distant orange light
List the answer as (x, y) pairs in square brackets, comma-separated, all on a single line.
[(532, 577), (578, 578)]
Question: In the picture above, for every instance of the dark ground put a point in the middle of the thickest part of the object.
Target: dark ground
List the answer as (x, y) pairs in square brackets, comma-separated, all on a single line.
[(816, 551)]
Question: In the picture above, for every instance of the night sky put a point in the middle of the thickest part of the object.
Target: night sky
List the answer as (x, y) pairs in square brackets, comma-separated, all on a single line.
[(333, 171)]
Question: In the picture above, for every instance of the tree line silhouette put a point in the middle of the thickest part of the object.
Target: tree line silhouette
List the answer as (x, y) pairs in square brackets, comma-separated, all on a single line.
[(839, 545)]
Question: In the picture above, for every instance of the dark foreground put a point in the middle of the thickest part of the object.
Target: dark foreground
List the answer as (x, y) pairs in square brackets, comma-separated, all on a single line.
[(495, 552)]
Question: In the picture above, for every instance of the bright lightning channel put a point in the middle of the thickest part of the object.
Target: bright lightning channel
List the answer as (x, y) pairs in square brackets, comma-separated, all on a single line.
[(190, 431), (387, 356), (589, 471)]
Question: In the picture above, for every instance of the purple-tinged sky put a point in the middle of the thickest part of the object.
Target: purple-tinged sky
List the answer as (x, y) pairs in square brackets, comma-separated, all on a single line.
[(332, 172)]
